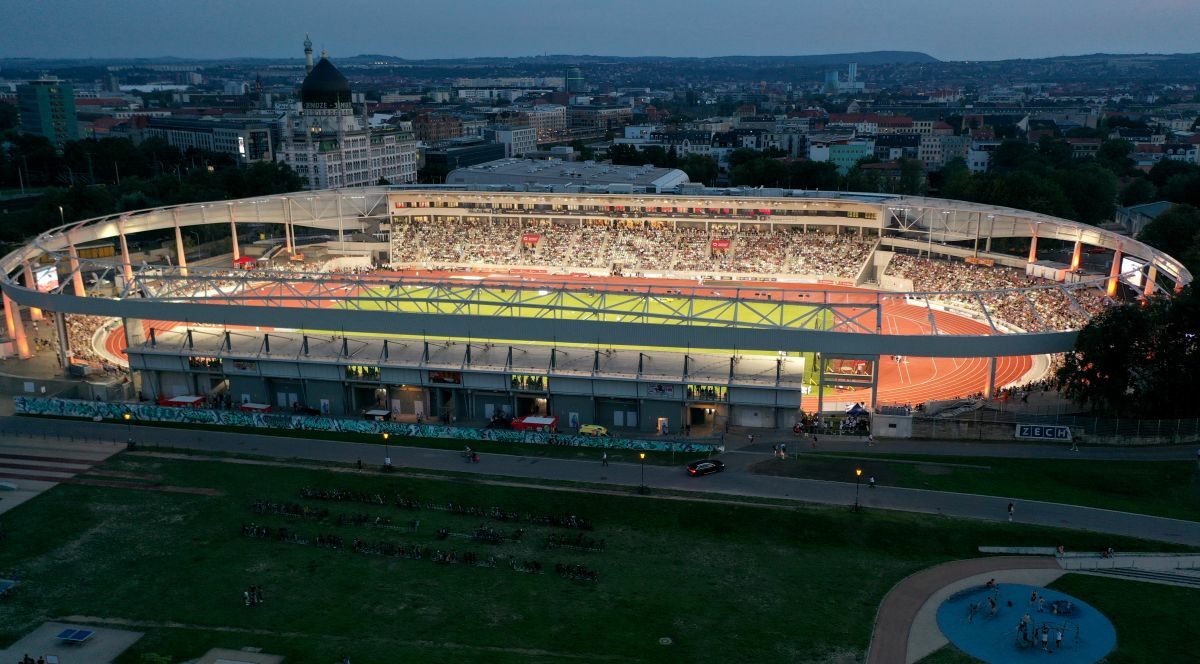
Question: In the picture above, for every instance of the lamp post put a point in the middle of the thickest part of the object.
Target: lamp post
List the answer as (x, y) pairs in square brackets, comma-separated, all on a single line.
[(642, 459), (387, 457), (857, 485), (128, 430)]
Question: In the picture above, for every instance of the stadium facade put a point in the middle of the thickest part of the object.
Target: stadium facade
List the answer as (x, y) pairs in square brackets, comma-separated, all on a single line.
[(543, 326)]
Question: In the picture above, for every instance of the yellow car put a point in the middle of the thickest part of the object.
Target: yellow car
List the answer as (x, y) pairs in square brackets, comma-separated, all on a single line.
[(593, 430)]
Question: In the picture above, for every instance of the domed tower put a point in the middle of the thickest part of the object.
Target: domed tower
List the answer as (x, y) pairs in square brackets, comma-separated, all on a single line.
[(324, 87)]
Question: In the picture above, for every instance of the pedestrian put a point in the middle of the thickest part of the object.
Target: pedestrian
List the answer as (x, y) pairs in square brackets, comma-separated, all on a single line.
[(870, 440), (871, 481), (360, 464), (783, 450), (1011, 507), (604, 458), (814, 443), (775, 451), (1074, 444), (1058, 638), (750, 437), (1045, 638)]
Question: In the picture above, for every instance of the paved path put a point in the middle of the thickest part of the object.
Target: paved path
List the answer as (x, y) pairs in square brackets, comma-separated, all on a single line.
[(630, 475), (33, 466), (899, 609)]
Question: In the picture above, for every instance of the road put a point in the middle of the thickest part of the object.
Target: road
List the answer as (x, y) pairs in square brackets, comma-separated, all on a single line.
[(733, 483)]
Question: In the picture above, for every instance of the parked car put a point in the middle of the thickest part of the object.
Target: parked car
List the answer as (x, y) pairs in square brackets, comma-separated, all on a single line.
[(705, 467), (593, 430)]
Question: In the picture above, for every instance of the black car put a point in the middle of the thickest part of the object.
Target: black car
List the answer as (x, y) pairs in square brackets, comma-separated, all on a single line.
[(705, 467)]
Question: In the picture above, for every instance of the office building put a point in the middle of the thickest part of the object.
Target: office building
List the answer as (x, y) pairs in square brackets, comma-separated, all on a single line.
[(331, 146), (245, 139), (46, 107)]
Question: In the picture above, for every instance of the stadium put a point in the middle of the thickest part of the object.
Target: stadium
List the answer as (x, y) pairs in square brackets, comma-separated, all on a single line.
[(639, 311)]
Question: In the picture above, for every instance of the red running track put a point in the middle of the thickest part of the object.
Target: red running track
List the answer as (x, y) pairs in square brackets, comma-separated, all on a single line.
[(913, 380)]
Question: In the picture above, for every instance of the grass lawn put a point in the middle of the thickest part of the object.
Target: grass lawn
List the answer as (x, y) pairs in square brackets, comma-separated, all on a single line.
[(1153, 621), (581, 305), (723, 582), (1160, 488)]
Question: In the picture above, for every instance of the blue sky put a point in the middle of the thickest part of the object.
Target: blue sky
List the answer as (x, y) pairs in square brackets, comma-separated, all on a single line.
[(946, 29)]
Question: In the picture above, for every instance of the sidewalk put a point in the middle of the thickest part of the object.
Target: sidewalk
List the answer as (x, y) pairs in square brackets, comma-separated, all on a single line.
[(734, 482)]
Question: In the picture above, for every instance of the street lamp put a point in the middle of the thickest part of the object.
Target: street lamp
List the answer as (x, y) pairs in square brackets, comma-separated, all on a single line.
[(387, 458), (857, 485), (61, 217), (128, 430), (642, 458)]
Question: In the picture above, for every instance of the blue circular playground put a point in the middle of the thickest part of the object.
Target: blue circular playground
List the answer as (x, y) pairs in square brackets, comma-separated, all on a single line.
[(1013, 623)]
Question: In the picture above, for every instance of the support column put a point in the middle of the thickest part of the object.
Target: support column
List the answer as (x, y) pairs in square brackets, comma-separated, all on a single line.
[(233, 234), (126, 264), (1151, 278), (287, 227), (135, 331), (64, 342), (9, 306), (13, 310), (820, 383), (1114, 272), (875, 384), (180, 255), (76, 275), (31, 283), (1033, 245), (991, 384), (1075, 255)]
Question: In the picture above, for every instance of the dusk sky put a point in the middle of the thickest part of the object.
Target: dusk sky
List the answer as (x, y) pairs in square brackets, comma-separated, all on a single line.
[(945, 29)]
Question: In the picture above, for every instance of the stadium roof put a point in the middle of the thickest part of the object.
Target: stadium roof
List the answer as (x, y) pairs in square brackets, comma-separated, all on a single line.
[(581, 174)]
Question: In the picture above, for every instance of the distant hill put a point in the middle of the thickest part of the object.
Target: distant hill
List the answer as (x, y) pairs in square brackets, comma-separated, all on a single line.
[(864, 58)]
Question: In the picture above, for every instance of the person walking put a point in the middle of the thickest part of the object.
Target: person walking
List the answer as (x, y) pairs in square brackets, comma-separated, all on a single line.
[(1074, 444), (870, 440), (871, 481), (783, 450), (1011, 507), (775, 451), (604, 459)]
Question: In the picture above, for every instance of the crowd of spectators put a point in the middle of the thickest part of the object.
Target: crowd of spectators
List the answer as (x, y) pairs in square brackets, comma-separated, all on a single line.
[(632, 246), (1027, 303)]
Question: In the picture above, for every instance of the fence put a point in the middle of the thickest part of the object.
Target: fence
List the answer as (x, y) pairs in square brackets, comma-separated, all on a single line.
[(155, 413), (998, 425)]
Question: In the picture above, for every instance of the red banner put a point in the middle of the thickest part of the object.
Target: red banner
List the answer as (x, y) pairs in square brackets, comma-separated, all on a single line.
[(980, 261), (720, 244), (530, 239)]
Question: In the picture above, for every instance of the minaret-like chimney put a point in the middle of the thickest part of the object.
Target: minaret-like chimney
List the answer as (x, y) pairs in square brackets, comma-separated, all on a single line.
[(308, 62)]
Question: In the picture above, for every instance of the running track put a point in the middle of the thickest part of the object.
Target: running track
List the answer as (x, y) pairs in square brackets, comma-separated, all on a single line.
[(914, 380)]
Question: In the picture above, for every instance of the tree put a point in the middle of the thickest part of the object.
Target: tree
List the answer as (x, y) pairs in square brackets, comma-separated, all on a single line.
[(1138, 191), (820, 175), (700, 168), (912, 178), (1137, 359), (1107, 368), (1114, 155), (1091, 190), (1166, 169), (1177, 232)]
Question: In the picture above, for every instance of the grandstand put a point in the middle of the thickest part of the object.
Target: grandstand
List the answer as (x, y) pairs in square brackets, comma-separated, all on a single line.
[(705, 307)]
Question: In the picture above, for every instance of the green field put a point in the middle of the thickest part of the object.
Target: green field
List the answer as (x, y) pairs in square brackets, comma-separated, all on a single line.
[(723, 582), (1160, 488), (608, 307)]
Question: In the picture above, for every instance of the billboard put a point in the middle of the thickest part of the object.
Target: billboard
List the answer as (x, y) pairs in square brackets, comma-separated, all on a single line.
[(46, 278), (1043, 432), (1129, 265)]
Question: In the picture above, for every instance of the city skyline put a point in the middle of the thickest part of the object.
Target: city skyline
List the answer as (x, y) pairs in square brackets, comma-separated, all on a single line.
[(670, 28)]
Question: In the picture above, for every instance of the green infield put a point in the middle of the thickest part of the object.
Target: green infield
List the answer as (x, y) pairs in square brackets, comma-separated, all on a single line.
[(162, 548), (1159, 488), (590, 306)]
